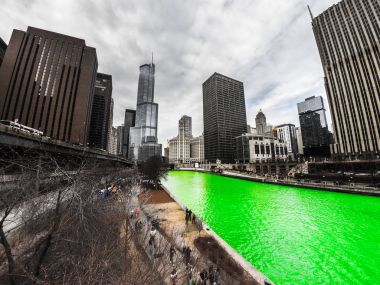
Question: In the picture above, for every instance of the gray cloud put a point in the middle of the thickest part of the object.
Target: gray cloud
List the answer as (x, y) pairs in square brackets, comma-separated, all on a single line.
[(269, 45)]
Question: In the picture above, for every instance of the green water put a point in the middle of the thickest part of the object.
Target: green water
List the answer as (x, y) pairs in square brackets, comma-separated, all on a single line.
[(292, 235)]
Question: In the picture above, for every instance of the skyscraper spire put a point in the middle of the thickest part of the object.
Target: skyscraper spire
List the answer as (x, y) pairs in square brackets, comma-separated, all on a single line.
[(152, 58), (311, 14)]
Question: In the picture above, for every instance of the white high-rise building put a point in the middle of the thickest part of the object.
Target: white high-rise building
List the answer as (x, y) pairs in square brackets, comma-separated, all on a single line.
[(179, 147), (197, 151), (184, 148), (299, 140), (287, 134)]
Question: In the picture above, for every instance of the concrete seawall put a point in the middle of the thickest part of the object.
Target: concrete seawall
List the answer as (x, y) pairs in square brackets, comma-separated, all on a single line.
[(368, 191), (248, 267)]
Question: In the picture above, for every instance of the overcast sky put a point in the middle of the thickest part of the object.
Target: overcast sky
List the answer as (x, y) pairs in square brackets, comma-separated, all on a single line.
[(267, 44)]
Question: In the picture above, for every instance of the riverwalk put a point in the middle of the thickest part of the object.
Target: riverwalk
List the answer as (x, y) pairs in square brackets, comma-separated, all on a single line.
[(207, 249), (324, 186)]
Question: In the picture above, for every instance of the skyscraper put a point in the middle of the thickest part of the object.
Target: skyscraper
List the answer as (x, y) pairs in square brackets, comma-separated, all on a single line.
[(47, 82), (100, 116), (143, 137), (129, 122), (299, 140), (197, 153), (111, 136), (313, 123), (184, 126), (348, 39), (261, 123), (3, 48), (224, 116), (179, 147), (287, 134)]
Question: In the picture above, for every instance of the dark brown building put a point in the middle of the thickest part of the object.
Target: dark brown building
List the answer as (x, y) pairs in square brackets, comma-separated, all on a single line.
[(100, 115), (47, 82), (3, 48)]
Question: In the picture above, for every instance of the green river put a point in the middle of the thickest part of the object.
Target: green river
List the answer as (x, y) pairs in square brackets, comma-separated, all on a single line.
[(292, 235)]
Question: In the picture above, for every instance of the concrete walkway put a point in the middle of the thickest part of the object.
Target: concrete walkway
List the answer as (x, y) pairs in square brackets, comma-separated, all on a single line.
[(172, 217)]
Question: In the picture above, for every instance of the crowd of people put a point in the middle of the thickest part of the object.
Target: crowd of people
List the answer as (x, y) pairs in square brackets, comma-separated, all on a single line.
[(190, 216), (110, 189), (210, 276), (204, 277)]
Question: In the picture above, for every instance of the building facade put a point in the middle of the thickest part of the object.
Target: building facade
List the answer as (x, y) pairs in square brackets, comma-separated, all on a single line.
[(115, 143), (224, 116), (348, 40), (261, 123), (179, 150), (143, 136), (110, 134), (129, 122), (119, 141), (299, 140), (253, 148), (112, 141), (100, 115), (3, 48), (313, 124), (47, 83), (179, 147), (197, 151), (287, 134)]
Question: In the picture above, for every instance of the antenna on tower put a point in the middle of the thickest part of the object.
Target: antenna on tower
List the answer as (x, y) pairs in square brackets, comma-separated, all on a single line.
[(311, 14), (152, 57)]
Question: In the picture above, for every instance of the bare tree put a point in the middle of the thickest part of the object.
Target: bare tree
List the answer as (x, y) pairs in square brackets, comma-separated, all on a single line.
[(55, 227), (153, 170)]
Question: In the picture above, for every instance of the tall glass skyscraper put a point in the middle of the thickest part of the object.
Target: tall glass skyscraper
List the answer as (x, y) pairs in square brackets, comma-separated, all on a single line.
[(314, 129), (143, 137)]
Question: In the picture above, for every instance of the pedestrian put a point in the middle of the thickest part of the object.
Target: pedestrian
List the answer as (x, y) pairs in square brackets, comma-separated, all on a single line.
[(152, 237), (190, 274), (217, 276), (174, 276), (187, 216), (137, 212), (203, 276), (172, 252), (187, 255), (137, 225), (193, 218), (199, 225), (192, 281)]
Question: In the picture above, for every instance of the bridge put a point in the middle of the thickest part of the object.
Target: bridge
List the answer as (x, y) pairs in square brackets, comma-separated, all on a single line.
[(16, 139)]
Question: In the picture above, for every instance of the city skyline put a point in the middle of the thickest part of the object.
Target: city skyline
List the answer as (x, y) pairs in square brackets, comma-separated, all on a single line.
[(279, 64)]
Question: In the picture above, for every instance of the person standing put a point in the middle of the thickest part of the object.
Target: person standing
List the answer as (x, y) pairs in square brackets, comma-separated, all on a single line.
[(173, 277), (172, 252), (152, 237), (187, 216), (203, 276), (137, 212), (217, 276)]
